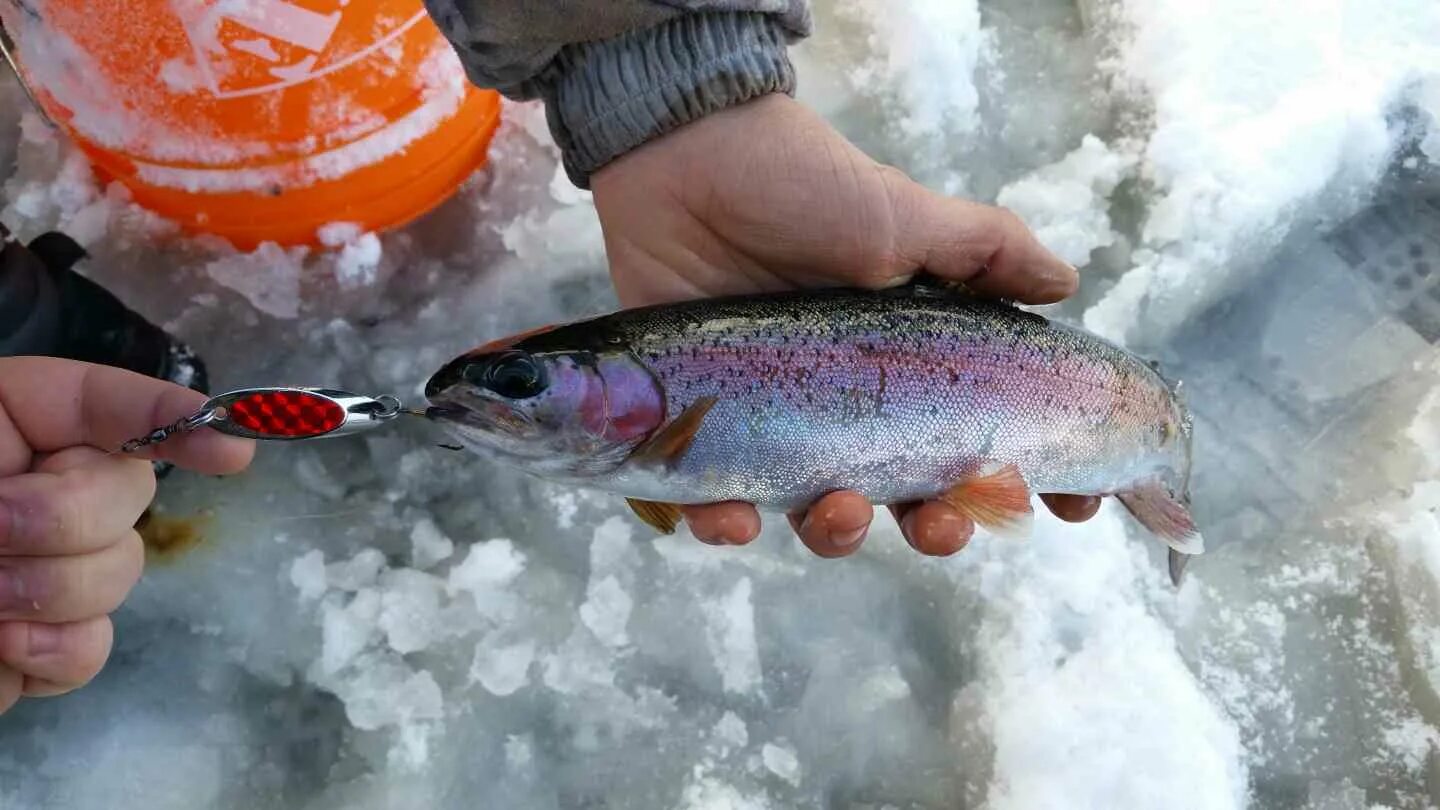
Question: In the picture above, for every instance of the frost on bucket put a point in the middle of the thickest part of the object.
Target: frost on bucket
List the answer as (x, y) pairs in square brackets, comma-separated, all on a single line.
[(262, 120)]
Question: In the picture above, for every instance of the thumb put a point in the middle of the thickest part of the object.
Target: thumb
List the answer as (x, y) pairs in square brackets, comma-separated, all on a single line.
[(988, 248)]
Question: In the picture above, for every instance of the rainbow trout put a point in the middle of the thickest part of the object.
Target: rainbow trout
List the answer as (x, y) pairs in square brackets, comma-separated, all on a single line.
[(907, 394)]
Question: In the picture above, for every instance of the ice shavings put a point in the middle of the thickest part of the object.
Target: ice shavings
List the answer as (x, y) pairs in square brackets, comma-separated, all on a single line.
[(1066, 203)]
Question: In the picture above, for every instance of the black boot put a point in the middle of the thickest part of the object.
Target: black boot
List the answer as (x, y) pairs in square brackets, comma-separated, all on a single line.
[(46, 308)]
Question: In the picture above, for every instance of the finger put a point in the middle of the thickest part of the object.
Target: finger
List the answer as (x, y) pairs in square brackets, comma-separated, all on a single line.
[(59, 656), (70, 589), (936, 529), (988, 248), (1072, 508), (835, 525), (11, 685), (723, 524), (79, 501), (50, 404), (36, 688)]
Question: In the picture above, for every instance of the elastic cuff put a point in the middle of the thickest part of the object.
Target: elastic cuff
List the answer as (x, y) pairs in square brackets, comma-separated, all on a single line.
[(606, 98)]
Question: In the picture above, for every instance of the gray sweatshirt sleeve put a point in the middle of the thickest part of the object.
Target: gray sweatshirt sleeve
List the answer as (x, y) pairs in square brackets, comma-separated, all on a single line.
[(617, 73)]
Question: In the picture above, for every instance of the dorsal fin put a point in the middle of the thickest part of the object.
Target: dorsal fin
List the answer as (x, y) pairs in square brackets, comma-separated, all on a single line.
[(927, 284)]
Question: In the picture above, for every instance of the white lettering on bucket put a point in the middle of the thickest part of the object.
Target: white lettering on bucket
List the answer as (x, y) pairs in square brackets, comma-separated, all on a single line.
[(286, 22), (292, 42)]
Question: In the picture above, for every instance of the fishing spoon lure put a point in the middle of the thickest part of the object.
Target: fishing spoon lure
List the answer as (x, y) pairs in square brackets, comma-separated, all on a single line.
[(282, 414)]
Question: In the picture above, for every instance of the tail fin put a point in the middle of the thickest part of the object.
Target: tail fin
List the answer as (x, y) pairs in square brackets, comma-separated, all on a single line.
[(1169, 518)]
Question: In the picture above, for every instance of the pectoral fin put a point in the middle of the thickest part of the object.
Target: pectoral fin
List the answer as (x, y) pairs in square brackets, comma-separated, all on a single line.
[(668, 445), (663, 517), (996, 498)]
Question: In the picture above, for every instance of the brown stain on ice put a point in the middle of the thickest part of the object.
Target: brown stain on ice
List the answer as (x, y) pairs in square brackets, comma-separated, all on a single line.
[(169, 538)]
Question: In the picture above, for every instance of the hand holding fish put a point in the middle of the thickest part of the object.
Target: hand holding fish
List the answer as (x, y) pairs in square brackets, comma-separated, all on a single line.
[(767, 197), (68, 551)]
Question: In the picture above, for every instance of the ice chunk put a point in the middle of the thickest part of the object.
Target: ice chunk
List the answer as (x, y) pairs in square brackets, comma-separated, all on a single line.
[(731, 732), (781, 761), (606, 611), (519, 752), (882, 687), (359, 571), (410, 609), (348, 629), (486, 573), (706, 792), (612, 545), (359, 256), (429, 545), (579, 664), (269, 277), (385, 692), (730, 632), (503, 668), (307, 574), (489, 563)]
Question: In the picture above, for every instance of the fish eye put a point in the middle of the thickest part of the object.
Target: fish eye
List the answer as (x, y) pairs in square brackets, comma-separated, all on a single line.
[(513, 375)]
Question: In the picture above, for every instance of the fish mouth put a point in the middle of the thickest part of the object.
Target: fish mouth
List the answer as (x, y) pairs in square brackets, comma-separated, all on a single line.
[(488, 417), (445, 413)]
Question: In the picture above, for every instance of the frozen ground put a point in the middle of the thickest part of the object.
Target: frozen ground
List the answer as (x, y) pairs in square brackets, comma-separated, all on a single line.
[(1252, 190)]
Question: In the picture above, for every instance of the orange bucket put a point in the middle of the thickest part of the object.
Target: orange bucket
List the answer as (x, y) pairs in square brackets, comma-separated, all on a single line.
[(260, 120)]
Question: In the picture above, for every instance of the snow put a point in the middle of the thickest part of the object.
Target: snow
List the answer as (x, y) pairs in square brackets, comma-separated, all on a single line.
[(1257, 122), (1249, 190), (358, 255), (1064, 202)]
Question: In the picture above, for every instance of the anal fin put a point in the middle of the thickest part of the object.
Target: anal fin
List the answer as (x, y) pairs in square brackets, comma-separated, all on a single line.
[(996, 498), (1168, 517), (662, 517)]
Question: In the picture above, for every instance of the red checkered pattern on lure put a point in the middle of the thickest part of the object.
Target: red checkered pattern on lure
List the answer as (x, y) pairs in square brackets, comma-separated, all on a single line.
[(287, 414)]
